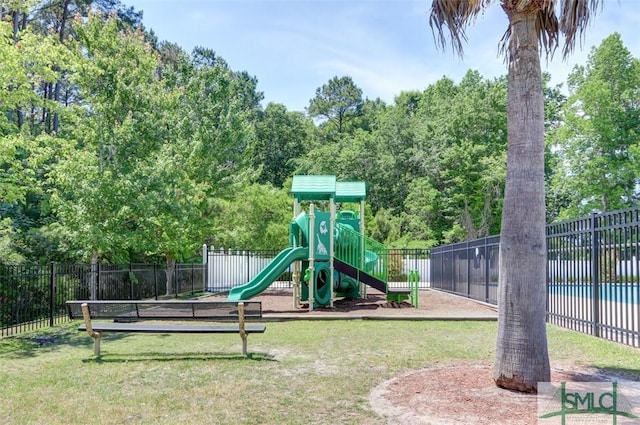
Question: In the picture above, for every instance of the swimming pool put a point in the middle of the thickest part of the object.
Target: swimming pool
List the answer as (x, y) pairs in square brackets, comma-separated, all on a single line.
[(616, 292)]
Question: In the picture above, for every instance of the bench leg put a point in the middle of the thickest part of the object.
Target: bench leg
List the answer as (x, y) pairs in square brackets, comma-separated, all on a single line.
[(86, 315), (96, 343), (243, 335)]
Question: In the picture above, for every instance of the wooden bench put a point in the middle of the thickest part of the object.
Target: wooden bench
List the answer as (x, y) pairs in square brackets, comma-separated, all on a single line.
[(127, 316)]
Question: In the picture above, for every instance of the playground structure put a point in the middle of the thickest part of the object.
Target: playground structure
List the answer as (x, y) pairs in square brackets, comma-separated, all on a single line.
[(330, 255)]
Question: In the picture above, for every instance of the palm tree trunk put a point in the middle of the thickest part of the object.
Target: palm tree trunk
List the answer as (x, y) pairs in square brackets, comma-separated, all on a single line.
[(522, 358)]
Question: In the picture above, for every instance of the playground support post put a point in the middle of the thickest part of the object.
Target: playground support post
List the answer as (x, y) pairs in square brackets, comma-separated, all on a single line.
[(312, 274), (332, 225), (296, 265), (414, 278), (363, 287)]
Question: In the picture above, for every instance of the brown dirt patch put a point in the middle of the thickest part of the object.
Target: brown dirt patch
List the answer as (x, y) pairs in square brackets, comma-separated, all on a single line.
[(463, 394), (431, 304)]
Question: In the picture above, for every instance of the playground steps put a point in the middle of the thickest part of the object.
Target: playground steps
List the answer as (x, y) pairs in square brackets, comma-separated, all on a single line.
[(357, 274), (398, 294)]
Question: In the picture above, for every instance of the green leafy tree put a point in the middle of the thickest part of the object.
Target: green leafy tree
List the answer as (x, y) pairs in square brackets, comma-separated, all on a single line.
[(8, 244), (370, 112), (471, 143), (598, 141), (208, 127), (28, 60), (421, 212), (172, 211), (281, 137), (159, 139), (522, 358), (53, 19), (337, 102), (557, 197), (384, 227), (216, 124), (448, 138), (396, 147), (257, 217), (115, 134)]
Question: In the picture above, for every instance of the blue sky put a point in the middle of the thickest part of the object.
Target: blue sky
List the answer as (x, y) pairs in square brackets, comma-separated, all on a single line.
[(296, 46)]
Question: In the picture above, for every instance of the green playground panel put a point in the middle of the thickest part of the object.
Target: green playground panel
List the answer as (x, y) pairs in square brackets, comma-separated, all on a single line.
[(322, 235)]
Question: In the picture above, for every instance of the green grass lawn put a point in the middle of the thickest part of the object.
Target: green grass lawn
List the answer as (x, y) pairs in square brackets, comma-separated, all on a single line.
[(301, 372)]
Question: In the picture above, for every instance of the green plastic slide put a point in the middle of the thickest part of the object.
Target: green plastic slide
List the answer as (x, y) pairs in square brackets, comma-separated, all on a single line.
[(269, 274)]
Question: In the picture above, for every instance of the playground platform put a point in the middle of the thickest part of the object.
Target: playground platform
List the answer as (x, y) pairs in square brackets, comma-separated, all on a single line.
[(277, 305)]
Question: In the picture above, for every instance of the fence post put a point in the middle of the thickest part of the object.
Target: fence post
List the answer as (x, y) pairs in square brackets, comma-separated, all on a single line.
[(442, 265), (595, 274), (205, 267), (454, 269), (487, 275), (131, 297), (52, 294), (155, 280), (175, 279), (547, 231), (192, 285), (248, 255), (468, 271), (93, 280)]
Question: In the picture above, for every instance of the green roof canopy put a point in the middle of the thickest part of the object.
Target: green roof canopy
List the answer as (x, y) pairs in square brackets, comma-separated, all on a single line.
[(323, 188), (313, 188), (351, 191)]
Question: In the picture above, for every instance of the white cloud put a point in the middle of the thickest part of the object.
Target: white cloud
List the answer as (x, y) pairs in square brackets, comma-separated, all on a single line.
[(295, 46)]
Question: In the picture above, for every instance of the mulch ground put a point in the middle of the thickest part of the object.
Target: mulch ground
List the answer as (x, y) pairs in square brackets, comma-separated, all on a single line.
[(431, 303)]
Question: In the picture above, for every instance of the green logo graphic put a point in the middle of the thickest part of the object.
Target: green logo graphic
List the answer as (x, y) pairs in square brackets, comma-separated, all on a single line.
[(587, 399)]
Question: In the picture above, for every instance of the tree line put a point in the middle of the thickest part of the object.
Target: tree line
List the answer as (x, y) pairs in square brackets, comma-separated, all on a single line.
[(119, 147)]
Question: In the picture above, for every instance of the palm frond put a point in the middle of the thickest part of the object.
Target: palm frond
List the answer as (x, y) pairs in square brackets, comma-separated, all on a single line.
[(453, 16), (569, 18), (546, 27), (574, 19)]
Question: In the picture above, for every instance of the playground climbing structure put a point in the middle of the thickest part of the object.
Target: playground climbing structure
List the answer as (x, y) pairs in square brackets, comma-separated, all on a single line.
[(328, 251)]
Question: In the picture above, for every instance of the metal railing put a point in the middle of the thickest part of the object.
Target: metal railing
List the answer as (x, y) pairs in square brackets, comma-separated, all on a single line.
[(227, 268), (593, 278), (34, 296), (468, 268), (363, 253), (593, 273)]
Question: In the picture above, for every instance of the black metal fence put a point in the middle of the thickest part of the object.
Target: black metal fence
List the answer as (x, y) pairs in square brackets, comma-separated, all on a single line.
[(229, 268), (593, 278), (468, 268), (34, 296)]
